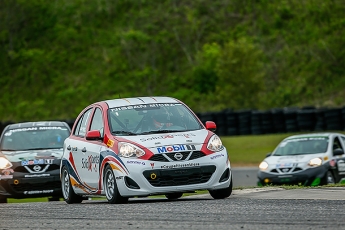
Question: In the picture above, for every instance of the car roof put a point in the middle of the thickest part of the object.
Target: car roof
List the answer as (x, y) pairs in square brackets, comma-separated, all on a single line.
[(313, 135), (35, 124), (139, 101)]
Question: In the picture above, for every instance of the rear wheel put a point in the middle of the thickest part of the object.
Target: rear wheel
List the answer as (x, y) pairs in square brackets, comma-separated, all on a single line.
[(221, 193), (174, 196), (67, 191), (110, 187)]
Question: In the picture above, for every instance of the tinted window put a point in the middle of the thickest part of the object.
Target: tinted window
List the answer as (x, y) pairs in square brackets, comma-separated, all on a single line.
[(97, 121), (80, 129), (143, 118), (299, 146), (42, 137)]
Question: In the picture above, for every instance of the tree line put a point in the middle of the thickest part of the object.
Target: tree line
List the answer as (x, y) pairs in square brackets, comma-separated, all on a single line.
[(59, 56)]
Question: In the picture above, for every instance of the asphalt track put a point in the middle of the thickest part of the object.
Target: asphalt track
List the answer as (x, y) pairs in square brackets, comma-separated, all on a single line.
[(257, 208)]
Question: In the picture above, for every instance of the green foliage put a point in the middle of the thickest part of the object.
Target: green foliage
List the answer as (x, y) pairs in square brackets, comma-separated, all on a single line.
[(59, 56)]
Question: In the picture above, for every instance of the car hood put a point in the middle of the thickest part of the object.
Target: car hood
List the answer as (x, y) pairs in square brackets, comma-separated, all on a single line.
[(18, 156), (292, 158), (176, 138)]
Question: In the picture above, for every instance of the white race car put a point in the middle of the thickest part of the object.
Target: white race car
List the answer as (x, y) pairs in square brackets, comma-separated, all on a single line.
[(306, 159), (137, 147)]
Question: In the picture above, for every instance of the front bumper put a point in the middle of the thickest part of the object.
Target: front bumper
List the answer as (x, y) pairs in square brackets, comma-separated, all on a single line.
[(151, 178), (308, 177), (29, 187)]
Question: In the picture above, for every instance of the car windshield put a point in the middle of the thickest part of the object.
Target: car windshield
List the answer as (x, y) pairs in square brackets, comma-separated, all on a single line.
[(299, 146), (152, 118), (47, 137)]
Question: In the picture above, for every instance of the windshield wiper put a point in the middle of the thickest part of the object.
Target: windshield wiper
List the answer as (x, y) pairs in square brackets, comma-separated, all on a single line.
[(162, 131), (124, 132)]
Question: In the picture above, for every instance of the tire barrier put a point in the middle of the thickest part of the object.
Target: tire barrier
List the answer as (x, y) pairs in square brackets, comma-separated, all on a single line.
[(277, 120)]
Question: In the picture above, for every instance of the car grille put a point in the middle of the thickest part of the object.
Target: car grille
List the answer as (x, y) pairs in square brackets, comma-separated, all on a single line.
[(180, 176), (286, 170), (167, 157), (36, 186), (24, 170)]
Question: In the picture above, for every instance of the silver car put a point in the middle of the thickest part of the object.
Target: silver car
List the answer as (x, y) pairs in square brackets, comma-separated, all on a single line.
[(306, 159)]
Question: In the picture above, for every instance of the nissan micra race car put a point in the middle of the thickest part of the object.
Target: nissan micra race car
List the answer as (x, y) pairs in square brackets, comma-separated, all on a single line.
[(30, 156), (137, 147), (306, 159)]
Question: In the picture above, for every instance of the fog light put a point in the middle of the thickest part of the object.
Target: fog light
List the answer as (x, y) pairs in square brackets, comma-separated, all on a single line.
[(267, 180)]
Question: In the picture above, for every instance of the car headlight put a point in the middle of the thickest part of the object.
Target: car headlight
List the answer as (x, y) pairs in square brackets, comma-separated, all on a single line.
[(215, 144), (129, 150), (263, 165), (315, 162), (4, 163)]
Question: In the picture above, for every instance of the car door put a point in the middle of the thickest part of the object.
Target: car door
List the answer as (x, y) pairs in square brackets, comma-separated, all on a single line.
[(76, 146), (92, 150), (340, 160)]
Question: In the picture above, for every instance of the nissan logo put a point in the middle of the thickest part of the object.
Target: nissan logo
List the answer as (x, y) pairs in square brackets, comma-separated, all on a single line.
[(178, 156), (37, 168)]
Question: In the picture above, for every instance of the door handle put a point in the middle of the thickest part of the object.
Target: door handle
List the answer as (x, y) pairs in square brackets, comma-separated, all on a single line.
[(69, 147), (83, 150)]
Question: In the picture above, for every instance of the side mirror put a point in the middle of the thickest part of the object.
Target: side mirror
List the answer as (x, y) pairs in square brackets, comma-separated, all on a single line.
[(210, 125), (338, 152), (93, 135)]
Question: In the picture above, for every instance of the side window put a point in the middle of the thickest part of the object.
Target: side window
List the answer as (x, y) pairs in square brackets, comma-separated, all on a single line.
[(97, 121), (336, 144), (80, 129)]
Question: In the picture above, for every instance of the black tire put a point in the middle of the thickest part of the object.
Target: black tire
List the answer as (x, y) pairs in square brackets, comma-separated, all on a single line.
[(221, 193), (67, 191), (328, 178), (174, 196), (54, 198), (110, 187), (3, 199)]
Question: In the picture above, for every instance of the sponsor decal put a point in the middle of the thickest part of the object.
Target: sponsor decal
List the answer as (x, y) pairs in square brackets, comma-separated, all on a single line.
[(6, 177), (38, 192), (37, 175), (172, 148), (136, 162), (341, 166), (283, 165), (179, 165), (152, 165), (332, 163), (175, 148), (186, 135), (216, 156), (119, 177), (90, 163), (32, 162), (110, 143), (9, 132)]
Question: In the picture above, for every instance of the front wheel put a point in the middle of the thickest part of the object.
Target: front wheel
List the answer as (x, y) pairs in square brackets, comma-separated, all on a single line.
[(174, 196), (110, 187), (221, 193), (328, 178), (68, 193)]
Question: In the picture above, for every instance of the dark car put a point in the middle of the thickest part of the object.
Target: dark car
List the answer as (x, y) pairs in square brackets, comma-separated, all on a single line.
[(30, 156)]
